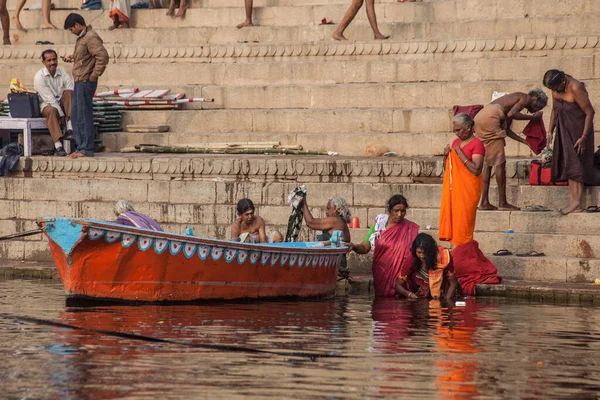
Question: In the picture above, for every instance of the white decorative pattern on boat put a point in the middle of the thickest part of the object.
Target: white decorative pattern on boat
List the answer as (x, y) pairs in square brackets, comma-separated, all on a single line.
[(175, 247), (112, 237), (95, 234), (160, 245), (284, 259), (216, 253), (275, 258), (293, 258), (254, 256), (189, 249), (230, 255), (203, 251), (242, 256), (265, 258), (127, 240), (144, 243), (301, 259)]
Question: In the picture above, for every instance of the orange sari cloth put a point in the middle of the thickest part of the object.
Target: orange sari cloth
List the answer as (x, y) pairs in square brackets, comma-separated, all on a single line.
[(461, 191)]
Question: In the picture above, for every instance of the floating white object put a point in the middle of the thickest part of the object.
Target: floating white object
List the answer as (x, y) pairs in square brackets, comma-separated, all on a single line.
[(460, 304)]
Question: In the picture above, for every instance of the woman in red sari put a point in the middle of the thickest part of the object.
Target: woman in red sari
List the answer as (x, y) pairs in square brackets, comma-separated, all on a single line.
[(391, 237), (431, 275)]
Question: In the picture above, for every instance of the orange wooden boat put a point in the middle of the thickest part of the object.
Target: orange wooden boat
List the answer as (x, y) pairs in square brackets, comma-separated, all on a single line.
[(104, 261)]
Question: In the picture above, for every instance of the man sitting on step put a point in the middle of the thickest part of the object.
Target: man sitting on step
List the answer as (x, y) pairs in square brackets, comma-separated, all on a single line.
[(55, 90), (492, 125)]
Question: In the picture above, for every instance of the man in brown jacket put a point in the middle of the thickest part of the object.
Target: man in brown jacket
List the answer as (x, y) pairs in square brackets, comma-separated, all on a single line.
[(89, 62)]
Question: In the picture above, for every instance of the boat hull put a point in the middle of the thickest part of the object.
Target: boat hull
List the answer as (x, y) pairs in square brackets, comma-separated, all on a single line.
[(104, 261)]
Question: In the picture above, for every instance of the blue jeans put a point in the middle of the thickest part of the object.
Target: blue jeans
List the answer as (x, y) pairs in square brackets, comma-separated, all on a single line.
[(82, 117)]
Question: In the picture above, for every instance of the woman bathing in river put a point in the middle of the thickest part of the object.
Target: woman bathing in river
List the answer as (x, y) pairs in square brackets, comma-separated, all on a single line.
[(391, 236), (338, 217), (249, 227)]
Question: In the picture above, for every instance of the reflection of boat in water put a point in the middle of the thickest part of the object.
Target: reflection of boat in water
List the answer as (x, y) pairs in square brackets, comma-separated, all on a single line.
[(105, 261)]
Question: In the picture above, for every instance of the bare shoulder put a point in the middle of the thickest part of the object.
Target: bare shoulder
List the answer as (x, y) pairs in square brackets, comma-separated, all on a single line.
[(508, 101), (259, 221)]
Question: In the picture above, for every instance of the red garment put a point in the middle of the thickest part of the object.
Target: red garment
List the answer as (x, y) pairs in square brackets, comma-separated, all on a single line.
[(471, 111), (391, 255), (475, 146), (472, 267), (536, 135)]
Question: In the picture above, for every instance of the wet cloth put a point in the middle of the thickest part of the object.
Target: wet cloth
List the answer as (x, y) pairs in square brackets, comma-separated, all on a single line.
[(392, 255), (471, 111), (461, 191), (427, 283), (566, 163), (295, 199), (139, 220), (120, 9), (490, 128), (472, 267), (535, 135)]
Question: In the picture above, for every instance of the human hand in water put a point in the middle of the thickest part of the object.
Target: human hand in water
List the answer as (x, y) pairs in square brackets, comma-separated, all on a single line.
[(580, 145), (537, 116), (411, 295)]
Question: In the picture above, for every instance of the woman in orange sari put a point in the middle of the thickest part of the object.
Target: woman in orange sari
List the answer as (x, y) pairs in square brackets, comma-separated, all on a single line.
[(431, 275), (391, 236), (462, 183), (461, 191)]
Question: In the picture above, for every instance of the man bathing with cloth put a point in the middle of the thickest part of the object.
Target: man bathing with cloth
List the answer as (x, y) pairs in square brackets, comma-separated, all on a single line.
[(492, 125)]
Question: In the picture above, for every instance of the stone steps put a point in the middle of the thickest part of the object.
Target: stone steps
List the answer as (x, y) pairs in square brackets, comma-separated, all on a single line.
[(345, 143), (428, 68)]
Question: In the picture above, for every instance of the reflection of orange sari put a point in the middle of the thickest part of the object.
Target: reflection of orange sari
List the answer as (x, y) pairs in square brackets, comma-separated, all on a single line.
[(461, 191)]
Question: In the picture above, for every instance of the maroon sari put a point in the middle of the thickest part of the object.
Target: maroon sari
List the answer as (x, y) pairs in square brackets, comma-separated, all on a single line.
[(392, 253)]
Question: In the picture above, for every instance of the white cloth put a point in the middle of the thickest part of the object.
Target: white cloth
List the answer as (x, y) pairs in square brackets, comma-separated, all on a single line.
[(296, 196), (380, 224), (50, 88)]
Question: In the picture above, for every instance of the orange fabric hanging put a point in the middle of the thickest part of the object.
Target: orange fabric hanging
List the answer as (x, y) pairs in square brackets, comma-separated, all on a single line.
[(461, 191)]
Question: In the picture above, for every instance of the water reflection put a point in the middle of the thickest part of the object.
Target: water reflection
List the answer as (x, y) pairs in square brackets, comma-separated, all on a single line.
[(388, 348)]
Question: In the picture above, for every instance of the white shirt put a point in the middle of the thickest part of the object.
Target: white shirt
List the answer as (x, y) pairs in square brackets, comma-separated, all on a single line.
[(50, 88)]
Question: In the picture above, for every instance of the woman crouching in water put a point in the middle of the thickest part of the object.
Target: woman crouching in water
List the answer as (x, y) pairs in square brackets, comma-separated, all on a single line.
[(250, 228), (432, 273)]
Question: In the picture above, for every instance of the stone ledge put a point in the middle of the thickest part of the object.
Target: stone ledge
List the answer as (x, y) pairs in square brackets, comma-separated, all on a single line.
[(27, 270), (372, 48), (550, 292), (190, 167)]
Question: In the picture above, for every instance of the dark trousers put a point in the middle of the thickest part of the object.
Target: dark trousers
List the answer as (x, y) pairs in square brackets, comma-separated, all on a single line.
[(82, 117)]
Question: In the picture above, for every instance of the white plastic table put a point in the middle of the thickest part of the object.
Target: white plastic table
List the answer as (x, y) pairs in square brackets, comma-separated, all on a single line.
[(26, 125)]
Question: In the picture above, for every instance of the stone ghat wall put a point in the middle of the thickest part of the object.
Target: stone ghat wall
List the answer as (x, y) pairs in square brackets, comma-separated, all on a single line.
[(201, 193)]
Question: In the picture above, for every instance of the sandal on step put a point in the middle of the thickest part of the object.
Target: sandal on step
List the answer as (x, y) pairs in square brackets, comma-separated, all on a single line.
[(592, 209), (531, 253), (503, 252)]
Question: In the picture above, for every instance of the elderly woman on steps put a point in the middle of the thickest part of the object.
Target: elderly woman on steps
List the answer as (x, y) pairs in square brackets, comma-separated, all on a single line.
[(573, 118), (391, 236), (351, 13), (462, 185)]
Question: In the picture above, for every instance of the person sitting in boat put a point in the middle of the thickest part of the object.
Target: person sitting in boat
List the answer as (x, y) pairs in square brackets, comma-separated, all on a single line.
[(338, 217), (126, 215), (431, 274), (250, 228)]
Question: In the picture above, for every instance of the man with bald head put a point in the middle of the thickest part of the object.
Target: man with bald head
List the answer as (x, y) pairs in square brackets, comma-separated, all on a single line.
[(492, 126)]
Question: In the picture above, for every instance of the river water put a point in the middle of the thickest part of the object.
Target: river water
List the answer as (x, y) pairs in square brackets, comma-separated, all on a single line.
[(335, 349)]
